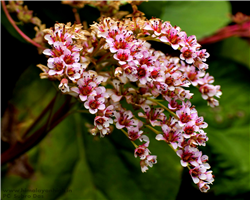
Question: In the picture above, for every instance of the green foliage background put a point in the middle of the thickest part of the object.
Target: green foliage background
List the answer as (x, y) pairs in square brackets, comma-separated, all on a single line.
[(82, 167)]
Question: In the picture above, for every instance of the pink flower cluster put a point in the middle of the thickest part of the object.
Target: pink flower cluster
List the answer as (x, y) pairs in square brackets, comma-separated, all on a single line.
[(115, 53), (185, 133), (152, 69)]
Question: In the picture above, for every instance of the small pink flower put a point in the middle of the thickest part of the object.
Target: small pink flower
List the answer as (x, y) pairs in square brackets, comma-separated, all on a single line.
[(200, 122), (182, 94), (190, 129), (144, 166), (156, 74), (84, 89), (146, 58), (198, 173), (56, 66), (101, 92), (71, 58), (202, 54), (130, 71), (154, 25), (124, 119), (142, 151), (150, 160), (184, 116), (189, 155), (203, 186), (143, 74), (188, 55), (109, 111), (103, 123), (134, 132), (172, 80), (173, 105), (173, 38), (63, 86), (115, 93), (170, 136), (193, 75), (206, 79), (155, 116), (123, 56), (94, 104), (212, 102), (57, 51), (208, 91), (199, 139), (118, 44), (74, 71), (191, 41), (58, 35)]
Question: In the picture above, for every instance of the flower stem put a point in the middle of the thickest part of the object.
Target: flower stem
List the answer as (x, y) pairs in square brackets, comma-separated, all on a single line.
[(77, 16), (100, 43), (21, 147), (135, 145), (17, 29), (156, 101), (149, 38), (40, 117), (152, 129)]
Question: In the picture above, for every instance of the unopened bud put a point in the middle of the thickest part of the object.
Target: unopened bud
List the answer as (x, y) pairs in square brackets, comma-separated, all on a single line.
[(118, 72), (63, 86)]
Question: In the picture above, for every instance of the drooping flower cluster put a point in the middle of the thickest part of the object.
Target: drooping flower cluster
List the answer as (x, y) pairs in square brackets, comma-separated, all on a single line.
[(116, 53)]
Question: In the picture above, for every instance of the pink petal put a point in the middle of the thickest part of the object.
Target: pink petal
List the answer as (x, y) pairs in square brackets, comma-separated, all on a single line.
[(101, 107), (83, 98), (159, 137)]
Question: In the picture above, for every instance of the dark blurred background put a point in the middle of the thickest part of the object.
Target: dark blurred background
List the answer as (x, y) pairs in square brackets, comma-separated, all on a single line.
[(228, 147)]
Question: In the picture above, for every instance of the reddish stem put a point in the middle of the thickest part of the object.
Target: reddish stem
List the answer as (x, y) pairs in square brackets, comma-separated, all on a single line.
[(77, 17), (240, 30), (40, 117), (20, 147), (17, 29)]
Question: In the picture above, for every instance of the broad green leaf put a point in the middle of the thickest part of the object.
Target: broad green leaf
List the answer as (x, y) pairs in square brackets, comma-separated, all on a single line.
[(200, 18), (58, 154), (32, 93), (230, 143), (236, 49), (117, 173), (153, 8), (56, 157), (12, 187), (74, 164), (228, 128), (82, 183)]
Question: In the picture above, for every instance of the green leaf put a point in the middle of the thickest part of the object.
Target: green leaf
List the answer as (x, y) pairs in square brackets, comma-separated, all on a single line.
[(56, 157), (58, 154), (71, 163), (153, 8), (228, 128), (82, 183), (117, 173), (12, 187), (237, 49), (5, 22)]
